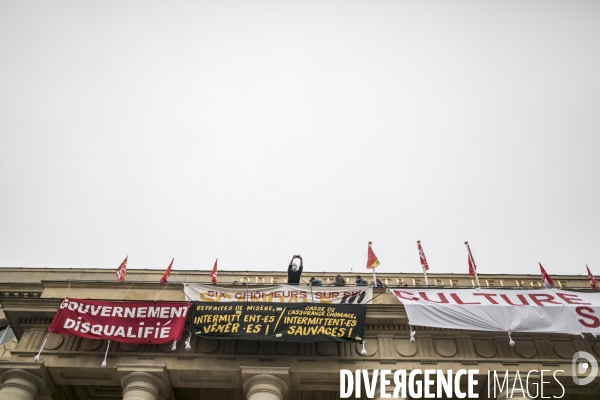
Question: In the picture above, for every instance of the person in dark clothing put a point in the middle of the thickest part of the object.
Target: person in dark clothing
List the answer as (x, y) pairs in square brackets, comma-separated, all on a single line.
[(315, 282), (339, 281), (294, 271), (360, 281)]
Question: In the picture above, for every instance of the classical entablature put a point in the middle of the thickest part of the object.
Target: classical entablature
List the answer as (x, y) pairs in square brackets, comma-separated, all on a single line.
[(70, 367)]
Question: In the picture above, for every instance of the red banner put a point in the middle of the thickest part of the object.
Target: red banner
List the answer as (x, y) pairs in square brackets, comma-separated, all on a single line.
[(128, 322)]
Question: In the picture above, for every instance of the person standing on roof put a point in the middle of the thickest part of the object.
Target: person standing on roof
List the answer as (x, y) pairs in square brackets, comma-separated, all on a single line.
[(294, 271), (339, 281)]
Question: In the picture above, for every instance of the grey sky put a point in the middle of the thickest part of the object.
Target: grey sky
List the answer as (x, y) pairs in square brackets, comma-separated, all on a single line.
[(255, 130)]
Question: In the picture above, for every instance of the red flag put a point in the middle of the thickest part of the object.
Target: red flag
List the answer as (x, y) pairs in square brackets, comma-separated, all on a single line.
[(592, 279), (422, 257), (167, 273), (546, 278), (372, 261), (472, 266), (122, 270), (213, 274)]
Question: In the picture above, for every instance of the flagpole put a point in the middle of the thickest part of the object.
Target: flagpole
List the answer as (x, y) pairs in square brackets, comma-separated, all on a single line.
[(591, 278), (424, 270), (374, 275), (473, 264)]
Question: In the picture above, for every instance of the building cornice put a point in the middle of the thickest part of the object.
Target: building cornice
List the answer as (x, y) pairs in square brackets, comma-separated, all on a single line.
[(29, 279)]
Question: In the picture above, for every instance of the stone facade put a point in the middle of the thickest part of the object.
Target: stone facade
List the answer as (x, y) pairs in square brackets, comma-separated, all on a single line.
[(70, 367)]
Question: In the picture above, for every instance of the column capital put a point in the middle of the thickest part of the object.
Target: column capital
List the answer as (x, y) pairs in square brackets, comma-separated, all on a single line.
[(265, 382), (141, 381), (518, 393), (388, 391), (20, 384), (142, 385), (141, 376)]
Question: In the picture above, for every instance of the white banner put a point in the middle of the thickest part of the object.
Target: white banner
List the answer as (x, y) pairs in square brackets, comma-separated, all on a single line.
[(541, 310), (280, 294)]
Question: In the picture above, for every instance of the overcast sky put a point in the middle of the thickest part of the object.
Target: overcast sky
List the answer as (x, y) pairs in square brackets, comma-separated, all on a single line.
[(254, 130)]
